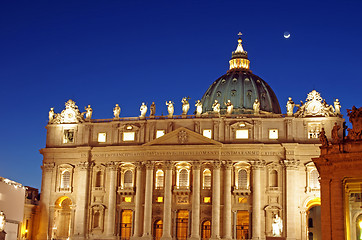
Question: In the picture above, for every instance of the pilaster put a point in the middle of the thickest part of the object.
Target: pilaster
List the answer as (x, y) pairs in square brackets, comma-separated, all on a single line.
[(195, 222), (257, 165), (138, 202), (111, 189), (215, 229), (166, 233), (147, 221), (227, 200)]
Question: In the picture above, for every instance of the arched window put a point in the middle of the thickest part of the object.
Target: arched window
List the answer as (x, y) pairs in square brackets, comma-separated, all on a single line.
[(206, 230), (65, 180), (128, 179), (313, 182), (273, 178), (183, 178), (98, 179), (159, 178), (157, 230), (242, 179), (206, 179)]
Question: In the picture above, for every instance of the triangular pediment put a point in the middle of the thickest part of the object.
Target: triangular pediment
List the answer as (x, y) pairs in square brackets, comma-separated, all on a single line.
[(182, 136)]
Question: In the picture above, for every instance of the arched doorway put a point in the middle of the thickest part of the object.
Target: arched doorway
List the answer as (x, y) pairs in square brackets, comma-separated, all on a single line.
[(313, 213), (126, 224), (359, 227), (182, 223), (62, 218), (206, 230), (157, 229)]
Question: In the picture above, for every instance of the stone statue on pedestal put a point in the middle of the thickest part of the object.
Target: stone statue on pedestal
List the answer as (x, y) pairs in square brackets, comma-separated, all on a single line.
[(216, 107), (153, 110), (89, 111), (185, 105), (229, 107), (256, 106), (335, 137), (170, 108), (290, 107), (323, 138), (143, 110), (277, 226), (198, 106), (116, 111)]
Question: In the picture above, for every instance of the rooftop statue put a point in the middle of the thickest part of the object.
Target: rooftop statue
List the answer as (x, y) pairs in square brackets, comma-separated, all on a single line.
[(355, 117), (290, 107), (256, 106), (51, 115), (337, 107), (229, 107), (143, 110), (335, 137), (88, 113), (185, 105), (170, 108), (216, 107), (116, 111), (198, 106), (153, 110), (323, 138)]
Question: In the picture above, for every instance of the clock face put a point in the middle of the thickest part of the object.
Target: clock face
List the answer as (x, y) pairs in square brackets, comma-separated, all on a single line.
[(69, 115), (314, 107)]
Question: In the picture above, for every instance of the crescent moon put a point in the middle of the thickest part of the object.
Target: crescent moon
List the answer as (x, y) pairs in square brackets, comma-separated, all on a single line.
[(286, 35)]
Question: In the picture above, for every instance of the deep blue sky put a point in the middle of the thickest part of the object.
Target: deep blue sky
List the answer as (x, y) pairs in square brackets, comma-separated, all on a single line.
[(128, 52)]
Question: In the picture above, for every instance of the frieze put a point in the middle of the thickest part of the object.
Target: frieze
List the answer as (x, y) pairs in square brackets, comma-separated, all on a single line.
[(47, 167)]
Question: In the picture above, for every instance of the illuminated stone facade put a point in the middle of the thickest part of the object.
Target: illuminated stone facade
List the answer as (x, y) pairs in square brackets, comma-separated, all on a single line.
[(215, 175), (340, 170)]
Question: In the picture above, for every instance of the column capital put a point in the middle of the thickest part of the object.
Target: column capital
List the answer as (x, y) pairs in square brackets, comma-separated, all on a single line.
[(257, 164), (228, 164), (168, 165), (216, 164), (138, 165), (48, 167), (149, 165), (290, 163), (84, 165), (112, 165), (196, 165)]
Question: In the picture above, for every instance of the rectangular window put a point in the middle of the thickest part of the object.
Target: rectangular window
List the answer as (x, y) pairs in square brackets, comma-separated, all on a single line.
[(127, 199), (314, 130), (128, 136), (273, 134), (159, 199), (160, 133), (207, 133), (68, 136), (102, 137), (242, 134), (207, 199), (242, 200)]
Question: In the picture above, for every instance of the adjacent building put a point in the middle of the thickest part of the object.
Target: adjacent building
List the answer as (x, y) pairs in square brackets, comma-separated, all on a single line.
[(237, 169)]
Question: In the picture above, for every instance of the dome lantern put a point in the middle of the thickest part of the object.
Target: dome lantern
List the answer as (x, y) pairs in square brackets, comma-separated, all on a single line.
[(239, 58)]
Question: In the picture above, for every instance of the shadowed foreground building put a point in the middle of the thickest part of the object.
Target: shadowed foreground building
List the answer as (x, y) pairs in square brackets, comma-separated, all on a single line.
[(244, 172), (340, 170)]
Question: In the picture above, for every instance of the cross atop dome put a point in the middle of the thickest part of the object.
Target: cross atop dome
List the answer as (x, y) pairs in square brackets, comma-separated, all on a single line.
[(239, 59)]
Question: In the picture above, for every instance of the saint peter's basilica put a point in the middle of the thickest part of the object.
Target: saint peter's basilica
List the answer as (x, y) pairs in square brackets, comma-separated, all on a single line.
[(236, 168)]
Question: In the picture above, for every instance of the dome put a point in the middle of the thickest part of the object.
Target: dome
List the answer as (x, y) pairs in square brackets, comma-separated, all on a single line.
[(241, 87)]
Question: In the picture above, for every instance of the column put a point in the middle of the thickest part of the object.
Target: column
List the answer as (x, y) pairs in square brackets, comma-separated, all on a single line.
[(138, 203), (195, 221), (111, 189), (44, 226), (256, 190), (227, 200), (215, 225), (166, 232), (80, 217), (337, 214), (326, 207), (147, 221), (292, 214)]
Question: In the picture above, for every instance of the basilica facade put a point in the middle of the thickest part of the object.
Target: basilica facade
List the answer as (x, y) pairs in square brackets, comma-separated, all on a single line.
[(236, 169)]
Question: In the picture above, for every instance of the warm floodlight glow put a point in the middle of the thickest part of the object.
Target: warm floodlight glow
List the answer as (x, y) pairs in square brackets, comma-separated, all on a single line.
[(207, 133), (273, 134), (207, 199), (242, 134), (160, 133), (102, 137), (128, 136)]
